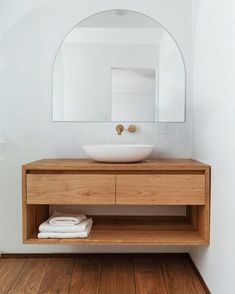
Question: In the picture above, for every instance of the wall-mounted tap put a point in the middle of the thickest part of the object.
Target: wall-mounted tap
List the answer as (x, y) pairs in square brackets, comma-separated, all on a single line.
[(119, 129), (132, 128)]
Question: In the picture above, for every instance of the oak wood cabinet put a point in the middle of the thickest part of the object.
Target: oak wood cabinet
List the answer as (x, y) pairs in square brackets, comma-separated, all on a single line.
[(70, 189), (161, 189), (159, 182)]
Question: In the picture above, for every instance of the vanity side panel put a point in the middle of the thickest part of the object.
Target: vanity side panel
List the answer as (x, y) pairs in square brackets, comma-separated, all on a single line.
[(70, 189), (28, 211), (203, 212)]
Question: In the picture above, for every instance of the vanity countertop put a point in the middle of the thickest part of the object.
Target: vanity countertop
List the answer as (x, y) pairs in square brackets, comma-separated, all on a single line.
[(90, 165)]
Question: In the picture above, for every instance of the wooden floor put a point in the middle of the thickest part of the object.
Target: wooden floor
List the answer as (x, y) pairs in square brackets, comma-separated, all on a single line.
[(99, 274)]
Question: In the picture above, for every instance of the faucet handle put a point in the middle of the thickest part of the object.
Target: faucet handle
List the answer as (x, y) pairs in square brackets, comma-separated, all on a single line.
[(119, 129), (132, 128)]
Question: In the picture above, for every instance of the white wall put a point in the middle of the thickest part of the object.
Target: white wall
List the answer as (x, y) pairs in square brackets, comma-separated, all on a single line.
[(214, 134), (28, 46)]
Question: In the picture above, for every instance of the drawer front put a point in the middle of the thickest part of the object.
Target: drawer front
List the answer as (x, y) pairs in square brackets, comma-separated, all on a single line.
[(70, 189), (167, 189)]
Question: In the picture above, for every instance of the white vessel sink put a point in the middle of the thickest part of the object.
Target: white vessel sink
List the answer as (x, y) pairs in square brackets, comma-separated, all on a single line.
[(118, 152)]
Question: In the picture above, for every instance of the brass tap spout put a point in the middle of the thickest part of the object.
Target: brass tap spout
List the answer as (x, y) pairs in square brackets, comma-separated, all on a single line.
[(119, 129)]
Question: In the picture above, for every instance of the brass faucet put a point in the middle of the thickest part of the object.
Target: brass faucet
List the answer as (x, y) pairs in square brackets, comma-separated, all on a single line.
[(132, 128), (119, 129)]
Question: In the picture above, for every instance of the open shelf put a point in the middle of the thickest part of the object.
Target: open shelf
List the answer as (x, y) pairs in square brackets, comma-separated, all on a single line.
[(122, 230)]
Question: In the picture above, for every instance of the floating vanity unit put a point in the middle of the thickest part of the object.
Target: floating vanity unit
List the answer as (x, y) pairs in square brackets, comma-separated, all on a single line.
[(84, 182)]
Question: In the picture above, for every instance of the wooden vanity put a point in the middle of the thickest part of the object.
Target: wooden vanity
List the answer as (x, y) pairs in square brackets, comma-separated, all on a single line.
[(84, 182)]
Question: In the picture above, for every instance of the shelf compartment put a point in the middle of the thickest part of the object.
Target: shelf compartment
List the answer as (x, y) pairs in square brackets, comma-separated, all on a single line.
[(122, 230)]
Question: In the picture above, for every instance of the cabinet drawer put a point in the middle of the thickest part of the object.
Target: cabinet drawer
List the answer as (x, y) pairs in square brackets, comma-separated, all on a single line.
[(166, 189), (70, 189)]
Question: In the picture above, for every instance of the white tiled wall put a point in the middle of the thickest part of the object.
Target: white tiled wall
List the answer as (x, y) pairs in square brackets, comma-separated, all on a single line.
[(214, 135), (27, 49)]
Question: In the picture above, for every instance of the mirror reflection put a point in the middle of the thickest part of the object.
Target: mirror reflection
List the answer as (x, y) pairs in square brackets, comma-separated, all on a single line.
[(119, 66), (133, 90)]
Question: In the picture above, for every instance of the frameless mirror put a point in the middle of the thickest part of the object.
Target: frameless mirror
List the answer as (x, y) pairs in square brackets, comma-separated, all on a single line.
[(119, 65)]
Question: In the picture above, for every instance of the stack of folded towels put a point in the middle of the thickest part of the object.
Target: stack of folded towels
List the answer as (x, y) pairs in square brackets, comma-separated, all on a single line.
[(64, 225)]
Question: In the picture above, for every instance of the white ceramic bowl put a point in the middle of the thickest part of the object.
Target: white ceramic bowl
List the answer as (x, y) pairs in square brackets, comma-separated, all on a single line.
[(118, 152)]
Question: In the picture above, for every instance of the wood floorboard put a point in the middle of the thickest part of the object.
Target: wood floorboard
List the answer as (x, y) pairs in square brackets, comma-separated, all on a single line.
[(86, 276), (9, 270), (148, 276), (178, 278), (100, 274), (196, 283), (117, 276), (30, 277), (58, 276)]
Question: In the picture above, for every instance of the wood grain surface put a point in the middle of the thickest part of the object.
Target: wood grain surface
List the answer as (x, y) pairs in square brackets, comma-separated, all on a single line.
[(171, 189), (158, 182), (70, 189), (100, 275), (89, 165)]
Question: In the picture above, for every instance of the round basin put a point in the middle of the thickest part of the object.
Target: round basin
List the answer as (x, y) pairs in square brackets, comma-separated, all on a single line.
[(118, 152)]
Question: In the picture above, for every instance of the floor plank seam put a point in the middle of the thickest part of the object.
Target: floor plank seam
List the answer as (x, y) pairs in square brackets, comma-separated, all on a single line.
[(18, 274), (45, 272), (74, 260), (100, 268), (163, 277), (133, 270), (43, 275)]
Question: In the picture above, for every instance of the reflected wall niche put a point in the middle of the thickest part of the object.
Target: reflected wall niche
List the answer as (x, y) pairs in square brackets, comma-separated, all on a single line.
[(119, 65)]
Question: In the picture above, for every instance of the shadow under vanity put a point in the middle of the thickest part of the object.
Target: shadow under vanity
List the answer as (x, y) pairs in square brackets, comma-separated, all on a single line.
[(85, 182)]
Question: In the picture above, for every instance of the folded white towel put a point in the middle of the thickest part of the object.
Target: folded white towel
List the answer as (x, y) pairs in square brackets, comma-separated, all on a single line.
[(64, 219), (82, 234), (47, 227)]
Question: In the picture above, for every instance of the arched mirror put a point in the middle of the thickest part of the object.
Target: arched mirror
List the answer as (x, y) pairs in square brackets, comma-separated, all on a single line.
[(119, 65)]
